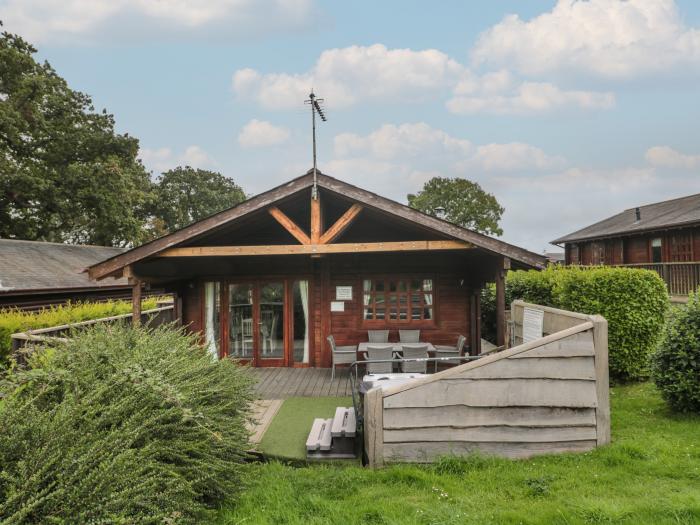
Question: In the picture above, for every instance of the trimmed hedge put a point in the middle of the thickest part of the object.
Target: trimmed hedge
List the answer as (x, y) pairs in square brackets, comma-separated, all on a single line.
[(676, 364), (634, 302), (122, 425), (13, 320)]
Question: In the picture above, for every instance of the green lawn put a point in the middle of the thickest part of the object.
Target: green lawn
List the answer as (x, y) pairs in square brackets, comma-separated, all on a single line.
[(650, 474), (286, 435)]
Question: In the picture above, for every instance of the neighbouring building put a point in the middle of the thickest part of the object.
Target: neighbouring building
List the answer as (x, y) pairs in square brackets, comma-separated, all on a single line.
[(269, 279), (664, 236), (35, 274)]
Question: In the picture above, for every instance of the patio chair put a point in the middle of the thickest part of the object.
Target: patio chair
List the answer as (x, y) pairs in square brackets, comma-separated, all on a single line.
[(341, 355), (451, 351), (383, 353), (415, 352), (409, 336), (378, 336)]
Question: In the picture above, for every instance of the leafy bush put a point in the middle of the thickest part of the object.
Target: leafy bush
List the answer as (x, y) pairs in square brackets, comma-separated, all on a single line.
[(633, 301), (121, 425), (13, 320), (676, 364), (635, 304)]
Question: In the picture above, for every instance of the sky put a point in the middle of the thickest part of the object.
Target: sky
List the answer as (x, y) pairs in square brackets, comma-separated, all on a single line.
[(566, 111)]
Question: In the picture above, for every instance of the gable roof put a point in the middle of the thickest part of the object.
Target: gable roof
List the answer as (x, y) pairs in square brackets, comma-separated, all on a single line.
[(268, 198), (29, 266), (672, 213)]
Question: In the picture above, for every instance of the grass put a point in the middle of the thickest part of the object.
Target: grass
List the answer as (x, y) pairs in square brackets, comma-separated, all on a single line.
[(650, 474), (286, 436)]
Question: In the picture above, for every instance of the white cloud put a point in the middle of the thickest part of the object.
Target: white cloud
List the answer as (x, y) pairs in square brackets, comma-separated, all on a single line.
[(425, 148), (610, 38), (402, 141), (348, 76), (666, 157), (257, 133), (164, 159), (85, 21), (345, 76), (527, 98)]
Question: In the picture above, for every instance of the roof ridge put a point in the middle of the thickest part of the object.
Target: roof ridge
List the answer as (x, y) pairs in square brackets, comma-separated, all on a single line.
[(663, 202), (54, 243)]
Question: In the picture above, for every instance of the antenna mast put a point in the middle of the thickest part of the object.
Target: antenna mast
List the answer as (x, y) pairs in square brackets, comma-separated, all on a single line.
[(315, 104)]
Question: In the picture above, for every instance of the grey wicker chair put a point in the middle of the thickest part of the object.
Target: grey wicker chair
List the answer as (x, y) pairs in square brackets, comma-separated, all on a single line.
[(378, 336), (341, 355), (409, 336), (451, 351), (415, 352), (382, 353)]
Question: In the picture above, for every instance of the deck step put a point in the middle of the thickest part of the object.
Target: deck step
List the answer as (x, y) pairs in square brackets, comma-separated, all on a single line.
[(320, 436), (344, 423)]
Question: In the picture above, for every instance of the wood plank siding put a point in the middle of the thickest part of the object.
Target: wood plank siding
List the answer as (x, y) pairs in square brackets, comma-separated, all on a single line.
[(545, 396), (451, 276), (677, 245)]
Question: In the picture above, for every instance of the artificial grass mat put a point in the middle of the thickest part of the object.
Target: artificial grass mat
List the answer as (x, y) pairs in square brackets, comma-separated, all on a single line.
[(286, 436)]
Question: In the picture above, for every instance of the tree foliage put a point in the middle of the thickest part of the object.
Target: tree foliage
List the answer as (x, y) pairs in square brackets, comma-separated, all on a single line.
[(65, 174), (465, 203), (676, 363), (122, 425), (184, 195)]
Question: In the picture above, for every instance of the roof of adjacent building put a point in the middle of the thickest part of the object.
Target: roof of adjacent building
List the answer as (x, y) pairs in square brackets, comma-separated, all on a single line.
[(117, 263), (31, 266), (673, 213)]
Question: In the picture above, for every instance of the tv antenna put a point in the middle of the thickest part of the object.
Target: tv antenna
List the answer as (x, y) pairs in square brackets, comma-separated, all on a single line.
[(315, 104)]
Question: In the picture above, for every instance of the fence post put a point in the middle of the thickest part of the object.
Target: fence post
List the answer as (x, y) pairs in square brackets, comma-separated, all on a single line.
[(602, 379), (374, 427)]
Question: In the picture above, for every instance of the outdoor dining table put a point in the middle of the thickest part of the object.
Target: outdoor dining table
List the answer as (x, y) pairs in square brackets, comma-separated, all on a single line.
[(397, 347)]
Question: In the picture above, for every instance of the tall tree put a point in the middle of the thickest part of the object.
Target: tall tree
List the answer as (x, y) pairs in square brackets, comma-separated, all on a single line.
[(464, 202), (65, 175), (184, 195)]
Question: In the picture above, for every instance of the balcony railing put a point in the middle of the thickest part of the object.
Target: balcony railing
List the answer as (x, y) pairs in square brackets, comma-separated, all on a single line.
[(681, 278)]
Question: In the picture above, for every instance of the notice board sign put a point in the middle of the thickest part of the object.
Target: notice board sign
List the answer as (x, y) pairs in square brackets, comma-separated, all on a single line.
[(343, 293), (533, 321), (337, 306)]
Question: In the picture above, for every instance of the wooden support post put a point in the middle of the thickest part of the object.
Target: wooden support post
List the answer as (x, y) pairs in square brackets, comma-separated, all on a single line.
[(135, 302), (289, 225), (341, 224), (503, 267), (316, 220), (477, 301)]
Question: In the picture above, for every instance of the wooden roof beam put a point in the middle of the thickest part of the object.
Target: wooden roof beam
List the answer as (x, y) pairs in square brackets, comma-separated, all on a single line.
[(314, 249), (341, 224), (289, 225)]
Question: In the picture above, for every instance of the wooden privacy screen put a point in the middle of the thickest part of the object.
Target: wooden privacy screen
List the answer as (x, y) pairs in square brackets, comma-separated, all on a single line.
[(545, 396)]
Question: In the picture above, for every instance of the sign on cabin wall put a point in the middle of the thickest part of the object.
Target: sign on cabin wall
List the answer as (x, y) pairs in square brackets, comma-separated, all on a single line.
[(343, 293), (337, 306)]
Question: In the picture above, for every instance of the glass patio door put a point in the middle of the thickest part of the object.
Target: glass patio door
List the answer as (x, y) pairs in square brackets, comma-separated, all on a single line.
[(256, 322), (271, 324)]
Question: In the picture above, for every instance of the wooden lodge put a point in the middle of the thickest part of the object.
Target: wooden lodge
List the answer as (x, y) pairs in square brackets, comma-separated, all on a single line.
[(664, 237), (36, 274), (269, 279)]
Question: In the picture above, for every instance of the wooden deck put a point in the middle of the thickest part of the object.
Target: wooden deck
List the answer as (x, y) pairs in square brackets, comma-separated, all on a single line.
[(281, 383)]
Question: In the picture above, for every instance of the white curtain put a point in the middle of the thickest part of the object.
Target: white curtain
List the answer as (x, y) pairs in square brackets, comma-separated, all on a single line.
[(210, 319), (304, 293)]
